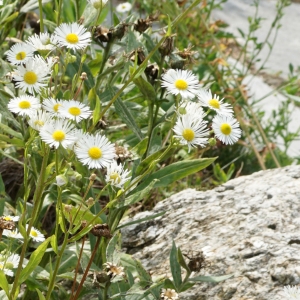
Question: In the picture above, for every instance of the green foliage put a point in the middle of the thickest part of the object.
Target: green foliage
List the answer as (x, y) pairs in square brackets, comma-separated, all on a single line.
[(118, 77)]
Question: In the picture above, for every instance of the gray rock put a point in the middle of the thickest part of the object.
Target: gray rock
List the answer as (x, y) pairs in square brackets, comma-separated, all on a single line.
[(250, 224)]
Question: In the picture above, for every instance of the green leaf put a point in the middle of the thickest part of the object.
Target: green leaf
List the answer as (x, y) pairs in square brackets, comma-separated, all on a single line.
[(10, 131), (79, 215), (142, 220), (97, 109), (127, 117), (35, 259), (175, 171), (53, 242), (134, 198), (146, 88), (111, 247), (158, 156), (181, 261), (210, 278), (4, 283), (143, 274), (175, 267), (41, 296)]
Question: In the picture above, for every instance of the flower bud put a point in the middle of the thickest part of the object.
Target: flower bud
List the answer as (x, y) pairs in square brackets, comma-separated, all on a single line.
[(61, 180), (212, 142), (93, 177)]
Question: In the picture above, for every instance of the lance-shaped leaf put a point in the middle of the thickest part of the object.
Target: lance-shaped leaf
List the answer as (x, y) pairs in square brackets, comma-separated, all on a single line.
[(176, 171), (210, 278)]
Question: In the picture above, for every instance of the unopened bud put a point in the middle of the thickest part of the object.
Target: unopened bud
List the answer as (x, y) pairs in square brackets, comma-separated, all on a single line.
[(90, 201), (83, 76), (61, 180), (93, 177), (182, 110), (69, 58), (212, 142)]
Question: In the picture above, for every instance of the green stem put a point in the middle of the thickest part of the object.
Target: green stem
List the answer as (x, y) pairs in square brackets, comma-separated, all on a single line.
[(59, 12), (41, 16), (37, 198), (57, 264)]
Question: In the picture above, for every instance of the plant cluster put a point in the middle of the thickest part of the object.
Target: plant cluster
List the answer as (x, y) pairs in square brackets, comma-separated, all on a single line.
[(94, 119)]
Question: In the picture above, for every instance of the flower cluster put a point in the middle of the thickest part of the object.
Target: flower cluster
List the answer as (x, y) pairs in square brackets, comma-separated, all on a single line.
[(58, 120), (191, 128)]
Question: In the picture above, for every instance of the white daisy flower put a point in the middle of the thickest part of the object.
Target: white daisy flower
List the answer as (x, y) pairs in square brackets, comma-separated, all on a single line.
[(8, 263), (11, 218), (181, 82), (116, 175), (24, 105), (73, 36), (124, 7), (44, 42), (95, 151), (169, 294), (74, 110), (98, 3), (194, 109), (191, 131), (38, 119), (35, 234), (15, 234), (58, 132), (52, 106), (19, 53), (292, 292), (226, 129), (213, 102), (33, 76)]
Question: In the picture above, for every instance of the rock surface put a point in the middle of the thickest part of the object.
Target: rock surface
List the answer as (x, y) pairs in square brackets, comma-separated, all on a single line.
[(250, 224)]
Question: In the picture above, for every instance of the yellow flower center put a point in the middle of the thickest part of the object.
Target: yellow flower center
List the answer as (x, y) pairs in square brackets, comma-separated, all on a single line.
[(24, 104), (21, 55), (181, 84), (33, 233), (39, 123), (214, 103), (7, 218), (1, 266), (170, 294), (188, 134), (72, 38), (115, 177), (225, 128), (95, 153), (75, 111), (58, 135), (30, 77), (56, 107)]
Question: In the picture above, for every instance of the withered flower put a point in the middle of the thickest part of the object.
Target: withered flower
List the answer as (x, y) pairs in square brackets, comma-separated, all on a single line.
[(187, 53), (143, 24), (101, 230), (6, 224), (114, 270), (167, 46)]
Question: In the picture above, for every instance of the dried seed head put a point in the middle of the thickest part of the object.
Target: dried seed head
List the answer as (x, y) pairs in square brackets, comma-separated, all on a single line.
[(4, 224), (122, 153), (167, 46), (101, 230), (68, 208)]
